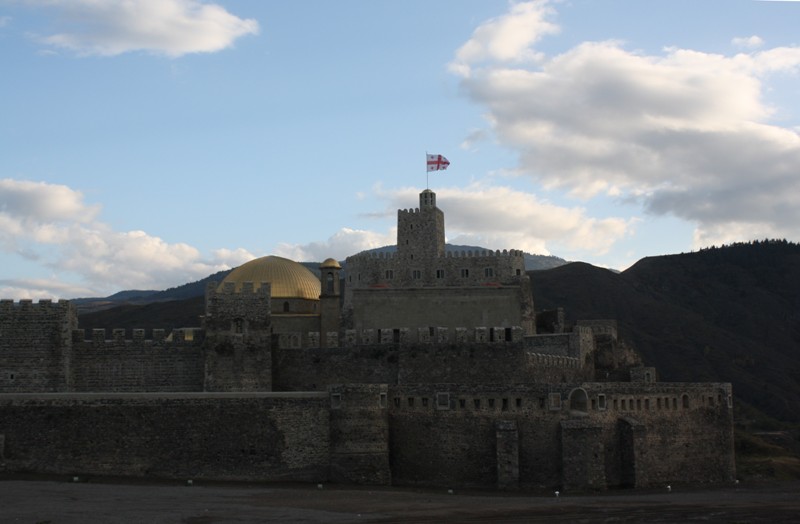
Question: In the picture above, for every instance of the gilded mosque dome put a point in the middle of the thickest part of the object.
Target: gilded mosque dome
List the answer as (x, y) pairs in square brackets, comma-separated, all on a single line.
[(288, 278)]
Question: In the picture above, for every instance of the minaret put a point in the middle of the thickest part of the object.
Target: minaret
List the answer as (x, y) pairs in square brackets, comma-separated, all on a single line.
[(420, 233), (329, 299)]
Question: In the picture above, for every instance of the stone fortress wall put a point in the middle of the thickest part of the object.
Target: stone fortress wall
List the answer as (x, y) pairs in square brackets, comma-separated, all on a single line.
[(355, 414), (432, 373)]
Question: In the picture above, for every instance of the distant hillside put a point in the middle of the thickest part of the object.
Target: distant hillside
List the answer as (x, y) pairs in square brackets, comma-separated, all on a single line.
[(725, 314)]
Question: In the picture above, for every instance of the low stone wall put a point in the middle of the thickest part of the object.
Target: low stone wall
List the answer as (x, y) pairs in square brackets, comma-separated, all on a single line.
[(580, 436), (257, 436)]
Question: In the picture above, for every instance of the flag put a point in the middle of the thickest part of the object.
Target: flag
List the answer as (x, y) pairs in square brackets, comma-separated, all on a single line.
[(437, 162)]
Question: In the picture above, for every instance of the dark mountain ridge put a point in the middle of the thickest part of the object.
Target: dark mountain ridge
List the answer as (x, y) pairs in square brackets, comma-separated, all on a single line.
[(729, 314)]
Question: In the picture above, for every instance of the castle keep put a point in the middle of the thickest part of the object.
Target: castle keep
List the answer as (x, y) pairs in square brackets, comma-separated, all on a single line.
[(419, 367)]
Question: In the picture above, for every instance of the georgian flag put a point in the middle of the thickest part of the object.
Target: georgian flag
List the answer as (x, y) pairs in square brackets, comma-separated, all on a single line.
[(437, 162)]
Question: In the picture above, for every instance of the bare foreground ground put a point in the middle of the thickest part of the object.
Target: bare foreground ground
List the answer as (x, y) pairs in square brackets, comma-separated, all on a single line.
[(58, 501)]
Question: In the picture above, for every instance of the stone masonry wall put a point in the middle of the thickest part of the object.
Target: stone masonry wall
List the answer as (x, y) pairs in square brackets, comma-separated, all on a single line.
[(36, 345), (315, 369), (434, 307), (257, 436), (441, 432), (136, 365), (360, 434)]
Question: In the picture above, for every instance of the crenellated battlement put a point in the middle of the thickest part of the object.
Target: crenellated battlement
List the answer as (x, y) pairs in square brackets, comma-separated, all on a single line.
[(160, 337), (464, 253), (44, 304)]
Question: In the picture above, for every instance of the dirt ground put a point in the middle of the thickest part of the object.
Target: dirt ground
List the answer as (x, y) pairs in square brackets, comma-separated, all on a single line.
[(123, 501)]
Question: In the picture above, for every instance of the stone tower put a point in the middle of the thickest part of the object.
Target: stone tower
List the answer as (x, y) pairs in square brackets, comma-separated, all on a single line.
[(420, 233)]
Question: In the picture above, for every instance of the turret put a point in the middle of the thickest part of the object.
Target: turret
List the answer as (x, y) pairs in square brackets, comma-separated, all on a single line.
[(420, 232), (329, 299)]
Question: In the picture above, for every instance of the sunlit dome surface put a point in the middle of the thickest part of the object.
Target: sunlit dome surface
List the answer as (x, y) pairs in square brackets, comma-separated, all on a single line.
[(288, 278)]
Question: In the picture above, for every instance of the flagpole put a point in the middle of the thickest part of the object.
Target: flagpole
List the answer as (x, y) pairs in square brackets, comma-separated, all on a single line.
[(427, 173)]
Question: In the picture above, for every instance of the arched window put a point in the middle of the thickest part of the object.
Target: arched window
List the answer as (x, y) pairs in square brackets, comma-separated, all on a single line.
[(286, 307), (685, 401), (578, 400), (330, 282)]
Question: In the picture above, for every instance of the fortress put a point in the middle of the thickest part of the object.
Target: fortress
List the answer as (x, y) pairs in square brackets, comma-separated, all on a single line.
[(420, 367)]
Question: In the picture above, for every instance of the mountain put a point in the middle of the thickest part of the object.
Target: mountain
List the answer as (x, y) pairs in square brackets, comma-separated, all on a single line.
[(727, 314)]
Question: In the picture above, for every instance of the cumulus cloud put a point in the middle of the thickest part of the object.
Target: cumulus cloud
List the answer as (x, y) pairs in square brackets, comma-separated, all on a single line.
[(684, 133), (168, 27), (51, 224), (748, 42), (498, 217), (507, 38), (340, 245)]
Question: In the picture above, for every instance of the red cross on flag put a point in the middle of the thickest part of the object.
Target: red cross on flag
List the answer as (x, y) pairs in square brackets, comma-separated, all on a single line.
[(437, 162)]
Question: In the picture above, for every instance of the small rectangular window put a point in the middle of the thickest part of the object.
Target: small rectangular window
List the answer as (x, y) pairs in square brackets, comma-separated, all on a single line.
[(389, 274), (488, 272), (383, 400), (411, 402), (491, 402), (465, 273), (443, 401), (397, 402), (416, 274), (336, 400), (477, 403), (519, 402), (425, 402), (555, 401), (519, 272), (440, 273), (505, 404), (462, 403)]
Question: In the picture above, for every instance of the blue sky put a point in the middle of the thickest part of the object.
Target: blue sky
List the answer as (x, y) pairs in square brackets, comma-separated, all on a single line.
[(149, 143)]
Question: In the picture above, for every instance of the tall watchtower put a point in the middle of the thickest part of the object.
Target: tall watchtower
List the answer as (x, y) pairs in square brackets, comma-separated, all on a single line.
[(420, 232)]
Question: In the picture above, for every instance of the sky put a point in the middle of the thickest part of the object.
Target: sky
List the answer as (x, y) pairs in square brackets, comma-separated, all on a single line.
[(145, 144)]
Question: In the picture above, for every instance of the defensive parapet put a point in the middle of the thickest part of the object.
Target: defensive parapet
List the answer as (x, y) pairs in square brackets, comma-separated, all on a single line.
[(230, 312), (403, 336), (166, 362), (36, 345)]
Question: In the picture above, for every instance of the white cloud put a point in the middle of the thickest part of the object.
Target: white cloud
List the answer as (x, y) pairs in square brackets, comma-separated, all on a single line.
[(52, 225), (507, 38), (684, 133), (748, 42), (37, 289), (498, 217), (169, 27), (340, 245)]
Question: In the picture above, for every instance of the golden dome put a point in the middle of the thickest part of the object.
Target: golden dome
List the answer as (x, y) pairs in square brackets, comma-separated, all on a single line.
[(288, 278), (330, 263)]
